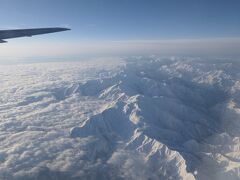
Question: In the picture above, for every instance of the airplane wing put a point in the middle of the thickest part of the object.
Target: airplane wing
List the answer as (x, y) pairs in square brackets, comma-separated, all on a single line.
[(7, 34)]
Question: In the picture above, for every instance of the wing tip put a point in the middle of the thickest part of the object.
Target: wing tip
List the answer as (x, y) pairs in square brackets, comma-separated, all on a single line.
[(64, 29)]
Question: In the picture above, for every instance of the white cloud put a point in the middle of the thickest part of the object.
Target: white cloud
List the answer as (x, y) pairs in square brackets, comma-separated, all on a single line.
[(143, 118)]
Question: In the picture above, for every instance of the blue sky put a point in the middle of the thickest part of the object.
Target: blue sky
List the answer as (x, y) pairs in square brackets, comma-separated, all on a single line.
[(127, 19), (122, 20)]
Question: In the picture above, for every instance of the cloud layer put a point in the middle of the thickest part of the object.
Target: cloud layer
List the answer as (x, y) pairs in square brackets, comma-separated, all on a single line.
[(140, 118)]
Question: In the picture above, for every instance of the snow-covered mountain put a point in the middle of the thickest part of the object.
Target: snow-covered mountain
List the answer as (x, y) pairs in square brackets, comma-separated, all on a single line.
[(137, 118)]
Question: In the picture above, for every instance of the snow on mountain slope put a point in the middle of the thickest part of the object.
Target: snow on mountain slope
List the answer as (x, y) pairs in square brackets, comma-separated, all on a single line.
[(141, 118)]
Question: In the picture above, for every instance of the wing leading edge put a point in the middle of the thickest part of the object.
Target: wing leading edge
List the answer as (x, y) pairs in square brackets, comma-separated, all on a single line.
[(7, 34)]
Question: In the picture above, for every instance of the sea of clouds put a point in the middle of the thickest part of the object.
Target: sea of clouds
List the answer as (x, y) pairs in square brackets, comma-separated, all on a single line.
[(121, 118)]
